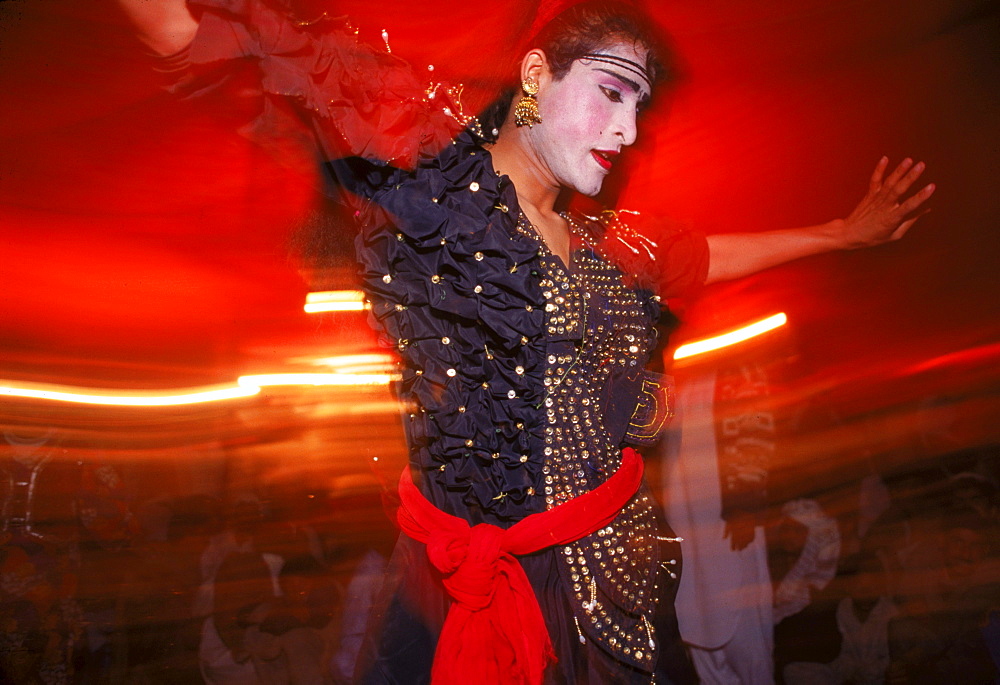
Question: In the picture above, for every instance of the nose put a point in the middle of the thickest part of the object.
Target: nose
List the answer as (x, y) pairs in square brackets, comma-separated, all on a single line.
[(626, 125)]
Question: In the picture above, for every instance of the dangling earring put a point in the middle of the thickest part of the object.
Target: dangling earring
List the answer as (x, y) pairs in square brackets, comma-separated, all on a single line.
[(526, 109)]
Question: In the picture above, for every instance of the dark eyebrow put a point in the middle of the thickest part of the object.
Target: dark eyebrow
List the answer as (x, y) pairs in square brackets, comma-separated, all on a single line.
[(628, 82)]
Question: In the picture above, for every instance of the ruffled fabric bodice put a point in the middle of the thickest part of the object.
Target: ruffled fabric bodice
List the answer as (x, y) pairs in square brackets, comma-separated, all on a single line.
[(457, 290), (476, 307)]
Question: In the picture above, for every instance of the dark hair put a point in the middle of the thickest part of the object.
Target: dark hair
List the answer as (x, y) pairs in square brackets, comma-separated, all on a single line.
[(588, 27), (584, 28)]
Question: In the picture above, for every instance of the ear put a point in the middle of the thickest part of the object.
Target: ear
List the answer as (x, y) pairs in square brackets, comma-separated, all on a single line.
[(535, 66)]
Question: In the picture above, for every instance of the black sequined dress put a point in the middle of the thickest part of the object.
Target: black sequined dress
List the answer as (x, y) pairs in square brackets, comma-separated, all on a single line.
[(522, 376)]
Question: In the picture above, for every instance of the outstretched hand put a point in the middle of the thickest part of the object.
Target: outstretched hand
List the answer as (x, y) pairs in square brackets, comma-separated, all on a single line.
[(888, 210)]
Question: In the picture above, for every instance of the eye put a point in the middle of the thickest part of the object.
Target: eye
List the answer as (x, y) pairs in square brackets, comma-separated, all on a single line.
[(611, 94)]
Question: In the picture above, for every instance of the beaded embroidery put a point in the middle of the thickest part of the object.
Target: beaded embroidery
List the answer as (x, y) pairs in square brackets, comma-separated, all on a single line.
[(596, 327)]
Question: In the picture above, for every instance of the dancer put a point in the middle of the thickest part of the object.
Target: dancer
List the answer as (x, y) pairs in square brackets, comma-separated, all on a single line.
[(523, 329)]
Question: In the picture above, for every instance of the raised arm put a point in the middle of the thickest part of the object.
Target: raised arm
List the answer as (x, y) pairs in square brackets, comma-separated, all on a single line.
[(885, 214), (165, 26)]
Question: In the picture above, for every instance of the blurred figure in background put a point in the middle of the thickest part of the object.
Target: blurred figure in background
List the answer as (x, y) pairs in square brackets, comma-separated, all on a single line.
[(292, 641), (718, 452), (243, 595), (163, 581), (939, 635), (248, 587), (862, 618), (42, 630)]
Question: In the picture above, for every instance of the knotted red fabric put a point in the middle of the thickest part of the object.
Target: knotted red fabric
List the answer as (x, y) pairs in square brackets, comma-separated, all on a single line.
[(494, 631)]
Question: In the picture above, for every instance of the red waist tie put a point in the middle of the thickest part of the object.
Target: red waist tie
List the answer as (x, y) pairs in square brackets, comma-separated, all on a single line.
[(494, 631)]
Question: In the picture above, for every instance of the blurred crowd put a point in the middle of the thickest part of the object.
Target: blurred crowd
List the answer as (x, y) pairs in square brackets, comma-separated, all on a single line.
[(914, 593), (99, 584), (893, 578)]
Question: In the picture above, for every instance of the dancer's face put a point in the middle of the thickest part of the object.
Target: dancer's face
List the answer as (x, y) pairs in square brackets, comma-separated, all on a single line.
[(588, 117)]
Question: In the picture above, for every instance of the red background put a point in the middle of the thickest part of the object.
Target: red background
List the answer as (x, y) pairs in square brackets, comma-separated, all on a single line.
[(150, 245)]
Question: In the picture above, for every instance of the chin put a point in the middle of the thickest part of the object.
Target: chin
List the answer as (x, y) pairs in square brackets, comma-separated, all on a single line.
[(589, 189)]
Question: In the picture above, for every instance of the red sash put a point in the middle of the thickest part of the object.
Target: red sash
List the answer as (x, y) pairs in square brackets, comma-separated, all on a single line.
[(494, 631)]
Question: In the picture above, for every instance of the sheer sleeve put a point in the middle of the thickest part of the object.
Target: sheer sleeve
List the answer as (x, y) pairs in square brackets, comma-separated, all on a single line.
[(670, 262), (358, 100)]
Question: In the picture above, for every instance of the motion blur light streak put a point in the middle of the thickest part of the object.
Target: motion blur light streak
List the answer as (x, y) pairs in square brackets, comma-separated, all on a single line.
[(353, 360), (335, 301), (64, 393), (317, 379), (246, 386), (731, 338), (361, 369), (358, 363)]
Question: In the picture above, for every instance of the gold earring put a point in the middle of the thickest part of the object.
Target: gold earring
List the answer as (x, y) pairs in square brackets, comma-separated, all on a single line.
[(526, 109)]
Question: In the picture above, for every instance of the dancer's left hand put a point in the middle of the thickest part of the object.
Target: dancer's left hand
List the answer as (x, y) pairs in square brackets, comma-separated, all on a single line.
[(888, 210)]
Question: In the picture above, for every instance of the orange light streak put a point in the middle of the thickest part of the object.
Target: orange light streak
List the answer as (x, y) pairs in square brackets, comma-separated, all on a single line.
[(349, 360), (335, 301), (358, 363), (115, 397), (246, 386), (316, 379), (731, 338)]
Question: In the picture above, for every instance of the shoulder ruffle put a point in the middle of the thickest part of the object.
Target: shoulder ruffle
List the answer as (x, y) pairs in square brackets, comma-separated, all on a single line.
[(670, 263), (361, 100)]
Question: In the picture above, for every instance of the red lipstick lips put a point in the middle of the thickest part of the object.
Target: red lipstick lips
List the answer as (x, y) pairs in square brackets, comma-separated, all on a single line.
[(604, 157)]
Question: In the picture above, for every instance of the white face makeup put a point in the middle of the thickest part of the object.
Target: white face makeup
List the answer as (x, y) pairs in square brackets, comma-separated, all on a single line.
[(589, 116)]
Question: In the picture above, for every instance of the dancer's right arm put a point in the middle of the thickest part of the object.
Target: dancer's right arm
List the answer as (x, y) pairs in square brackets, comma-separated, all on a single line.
[(165, 26), (356, 99)]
